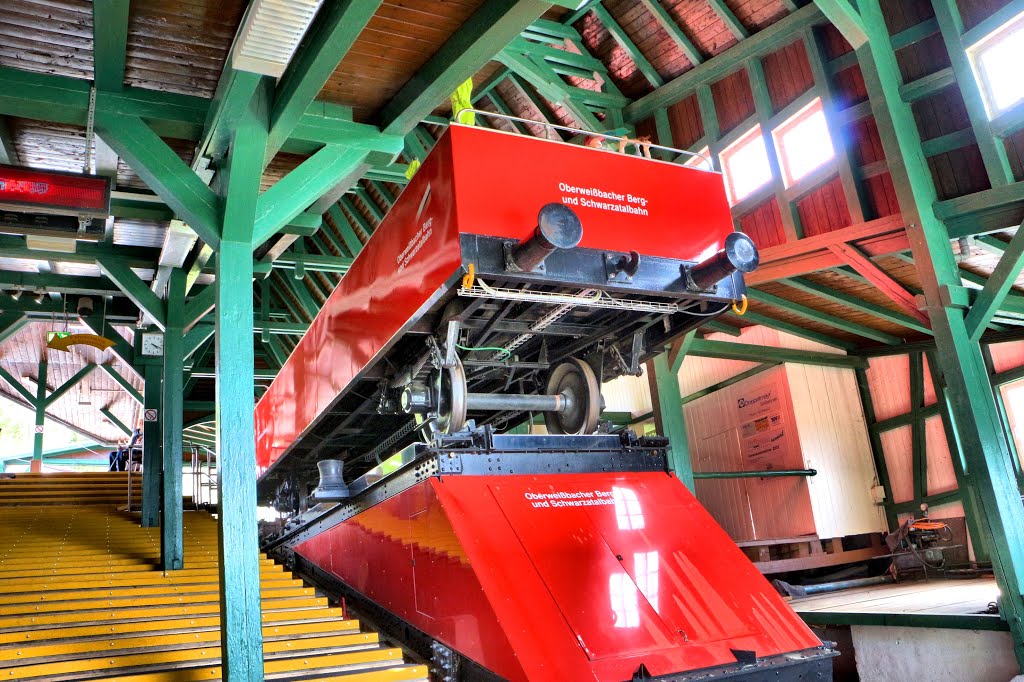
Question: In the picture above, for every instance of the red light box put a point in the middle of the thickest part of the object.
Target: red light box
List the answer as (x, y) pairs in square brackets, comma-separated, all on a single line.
[(23, 189)]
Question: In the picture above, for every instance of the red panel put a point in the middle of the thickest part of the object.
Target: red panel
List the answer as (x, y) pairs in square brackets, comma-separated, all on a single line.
[(21, 188), (563, 576), (764, 225), (824, 209), (502, 179)]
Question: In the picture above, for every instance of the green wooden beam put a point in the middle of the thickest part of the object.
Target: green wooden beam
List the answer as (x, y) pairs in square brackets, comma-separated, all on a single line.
[(991, 483), (735, 26), (875, 439), (337, 25), (230, 101), (776, 35), (754, 353), (493, 25), (200, 305), (172, 548), (668, 412), (120, 425), (292, 194), (17, 386), (626, 43), (40, 421), (753, 371), (124, 383), (164, 172), (11, 323), (847, 19), (135, 289), (823, 318), (860, 305), (110, 41), (59, 392), (993, 151), (196, 337), (796, 330), (238, 539), (152, 443), (998, 286)]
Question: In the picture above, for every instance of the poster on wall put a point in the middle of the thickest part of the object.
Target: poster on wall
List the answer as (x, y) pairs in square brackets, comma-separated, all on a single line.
[(762, 426)]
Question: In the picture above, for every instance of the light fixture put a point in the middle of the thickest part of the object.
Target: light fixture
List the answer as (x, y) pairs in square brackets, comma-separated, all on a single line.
[(39, 298), (16, 294), (270, 33)]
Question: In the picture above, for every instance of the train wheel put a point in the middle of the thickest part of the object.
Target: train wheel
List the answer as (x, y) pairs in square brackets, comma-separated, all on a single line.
[(576, 382)]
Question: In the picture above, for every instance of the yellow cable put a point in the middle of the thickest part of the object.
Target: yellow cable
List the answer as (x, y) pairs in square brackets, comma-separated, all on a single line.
[(740, 310), (467, 279)]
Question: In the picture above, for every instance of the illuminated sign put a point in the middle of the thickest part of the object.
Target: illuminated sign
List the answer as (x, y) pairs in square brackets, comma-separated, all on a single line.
[(23, 189)]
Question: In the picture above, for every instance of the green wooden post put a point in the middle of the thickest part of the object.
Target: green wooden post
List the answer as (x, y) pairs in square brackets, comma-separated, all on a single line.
[(668, 409), (240, 616), (988, 478), (172, 552), (152, 469), (40, 405)]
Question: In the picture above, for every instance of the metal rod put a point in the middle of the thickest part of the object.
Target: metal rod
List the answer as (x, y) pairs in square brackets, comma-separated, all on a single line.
[(755, 474), (837, 585), (496, 402)]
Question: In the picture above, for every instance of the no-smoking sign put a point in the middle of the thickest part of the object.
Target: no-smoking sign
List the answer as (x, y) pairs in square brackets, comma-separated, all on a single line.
[(150, 415), (39, 429)]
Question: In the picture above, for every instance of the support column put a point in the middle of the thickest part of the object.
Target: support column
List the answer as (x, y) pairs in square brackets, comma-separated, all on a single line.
[(152, 466), (987, 481), (240, 616), (172, 552), (37, 442), (667, 405)]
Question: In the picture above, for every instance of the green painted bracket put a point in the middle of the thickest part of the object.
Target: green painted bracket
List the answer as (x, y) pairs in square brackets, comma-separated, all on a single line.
[(110, 38), (164, 172), (998, 286), (116, 376), (59, 392), (135, 289), (292, 194), (115, 421), (199, 305), (18, 386)]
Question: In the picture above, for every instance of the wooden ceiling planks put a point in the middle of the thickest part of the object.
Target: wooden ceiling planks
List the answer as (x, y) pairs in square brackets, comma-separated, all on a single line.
[(21, 354), (180, 45), (47, 36), (395, 44)]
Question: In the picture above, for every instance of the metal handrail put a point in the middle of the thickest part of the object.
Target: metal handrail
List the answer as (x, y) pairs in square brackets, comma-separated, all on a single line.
[(549, 129), (777, 473)]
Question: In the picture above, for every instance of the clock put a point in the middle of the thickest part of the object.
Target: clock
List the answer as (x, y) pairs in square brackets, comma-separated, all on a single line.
[(152, 344)]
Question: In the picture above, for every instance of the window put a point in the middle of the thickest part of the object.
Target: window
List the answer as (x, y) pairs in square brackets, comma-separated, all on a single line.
[(745, 165), (997, 59), (804, 143)]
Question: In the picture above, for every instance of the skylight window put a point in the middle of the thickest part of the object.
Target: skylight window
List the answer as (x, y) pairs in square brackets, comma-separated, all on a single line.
[(804, 143), (997, 60), (745, 165)]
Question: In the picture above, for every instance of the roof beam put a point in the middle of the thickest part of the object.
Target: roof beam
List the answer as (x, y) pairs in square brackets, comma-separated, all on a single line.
[(492, 26), (332, 35), (59, 392), (110, 41), (17, 386), (164, 172), (823, 318), (292, 194), (124, 383), (777, 34), (847, 19), (754, 353), (860, 305), (881, 279), (673, 30), (735, 26), (998, 286), (135, 289), (626, 43)]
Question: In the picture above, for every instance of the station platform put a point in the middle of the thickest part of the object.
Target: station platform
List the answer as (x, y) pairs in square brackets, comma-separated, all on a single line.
[(82, 598)]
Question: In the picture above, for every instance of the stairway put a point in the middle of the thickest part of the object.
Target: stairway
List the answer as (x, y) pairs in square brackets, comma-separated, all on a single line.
[(81, 598), (100, 488)]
